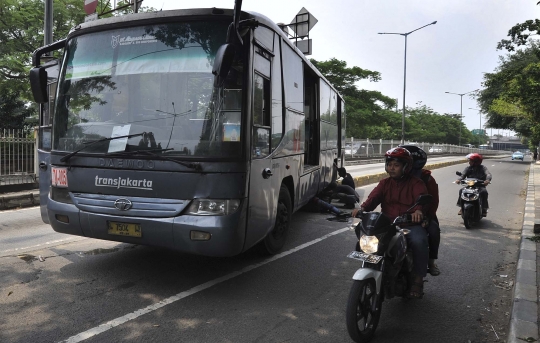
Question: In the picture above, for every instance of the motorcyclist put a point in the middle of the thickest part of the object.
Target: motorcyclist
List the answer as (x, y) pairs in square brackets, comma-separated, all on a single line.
[(396, 194), (434, 232), (478, 171)]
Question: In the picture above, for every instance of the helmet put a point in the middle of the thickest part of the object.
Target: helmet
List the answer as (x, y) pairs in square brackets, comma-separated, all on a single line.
[(475, 158), (401, 155), (419, 156)]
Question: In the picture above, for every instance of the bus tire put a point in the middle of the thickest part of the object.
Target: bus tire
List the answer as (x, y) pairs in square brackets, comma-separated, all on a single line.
[(275, 240)]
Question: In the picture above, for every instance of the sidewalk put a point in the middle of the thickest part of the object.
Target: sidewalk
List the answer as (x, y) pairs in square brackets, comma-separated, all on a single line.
[(524, 316)]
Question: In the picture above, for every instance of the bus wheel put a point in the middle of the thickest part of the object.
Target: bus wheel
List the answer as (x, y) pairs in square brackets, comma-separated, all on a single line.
[(275, 240)]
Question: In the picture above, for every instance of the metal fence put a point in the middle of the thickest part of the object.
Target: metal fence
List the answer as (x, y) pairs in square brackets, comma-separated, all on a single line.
[(17, 152), (18, 166), (366, 148)]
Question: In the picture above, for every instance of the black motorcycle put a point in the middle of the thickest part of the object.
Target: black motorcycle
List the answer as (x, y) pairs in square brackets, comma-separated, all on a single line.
[(470, 200), (386, 271)]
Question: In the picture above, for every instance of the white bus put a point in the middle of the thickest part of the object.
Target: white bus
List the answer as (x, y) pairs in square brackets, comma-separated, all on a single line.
[(200, 130)]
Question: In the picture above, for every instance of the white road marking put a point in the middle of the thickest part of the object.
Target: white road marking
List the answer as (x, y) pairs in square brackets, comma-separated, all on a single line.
[(133, 315), (41, 245), (21, 209)]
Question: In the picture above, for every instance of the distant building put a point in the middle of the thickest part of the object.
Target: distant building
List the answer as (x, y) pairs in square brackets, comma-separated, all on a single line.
[(506, 143)]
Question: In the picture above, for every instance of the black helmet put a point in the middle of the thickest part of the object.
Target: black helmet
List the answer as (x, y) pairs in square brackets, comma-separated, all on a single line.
[(418, 154)]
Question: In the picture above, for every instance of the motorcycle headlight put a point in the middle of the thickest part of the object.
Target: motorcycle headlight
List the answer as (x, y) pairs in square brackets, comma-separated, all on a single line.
[(471, 183), (369, 244), (213, 207), (469, 196)]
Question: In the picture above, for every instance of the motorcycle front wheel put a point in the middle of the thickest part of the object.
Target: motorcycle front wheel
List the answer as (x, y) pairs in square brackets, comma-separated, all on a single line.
[(467, 218), (363, 310)]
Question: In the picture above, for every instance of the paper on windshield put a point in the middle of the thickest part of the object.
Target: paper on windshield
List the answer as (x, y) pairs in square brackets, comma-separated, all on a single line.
[(121, 143)]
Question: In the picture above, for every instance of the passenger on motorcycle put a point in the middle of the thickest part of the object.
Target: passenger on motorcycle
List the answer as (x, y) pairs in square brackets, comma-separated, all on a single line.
[(478, 171), (396, 194), (434, 232)]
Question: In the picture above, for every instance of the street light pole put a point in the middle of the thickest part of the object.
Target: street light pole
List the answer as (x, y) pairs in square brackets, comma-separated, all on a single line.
[(461, 111), (479, 114), (405, 73)]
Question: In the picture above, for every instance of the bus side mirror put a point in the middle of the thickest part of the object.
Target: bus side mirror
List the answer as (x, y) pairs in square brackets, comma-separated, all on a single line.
[(38, 84), (222, 63)]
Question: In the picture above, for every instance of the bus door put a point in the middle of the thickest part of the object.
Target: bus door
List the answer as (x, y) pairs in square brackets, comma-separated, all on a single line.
[(44, 138), (263, 186), (311, 146)]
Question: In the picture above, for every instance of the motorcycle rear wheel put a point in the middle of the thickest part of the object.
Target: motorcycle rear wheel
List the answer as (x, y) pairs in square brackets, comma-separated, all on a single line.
[(363, 310)]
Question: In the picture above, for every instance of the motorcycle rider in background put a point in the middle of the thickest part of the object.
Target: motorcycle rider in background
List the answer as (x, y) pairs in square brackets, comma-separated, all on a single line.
[(396, 194), (478, 171), (434, 231)]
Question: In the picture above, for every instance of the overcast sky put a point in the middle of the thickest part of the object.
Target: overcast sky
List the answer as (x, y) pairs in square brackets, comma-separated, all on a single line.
[(450, 56)]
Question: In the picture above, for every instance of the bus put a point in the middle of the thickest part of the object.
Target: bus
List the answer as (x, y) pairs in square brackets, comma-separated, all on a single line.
[(483, 146), (199, 130)]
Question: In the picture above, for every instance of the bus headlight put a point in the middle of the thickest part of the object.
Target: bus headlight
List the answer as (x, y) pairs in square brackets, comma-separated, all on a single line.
[(213, 207), (60, 195), (369, 244)]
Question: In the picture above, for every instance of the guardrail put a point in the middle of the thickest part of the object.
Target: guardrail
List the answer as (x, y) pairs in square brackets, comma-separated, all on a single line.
[(370, 148)]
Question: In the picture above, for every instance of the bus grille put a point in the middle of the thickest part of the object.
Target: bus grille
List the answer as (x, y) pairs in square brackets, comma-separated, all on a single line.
[(132, 206)]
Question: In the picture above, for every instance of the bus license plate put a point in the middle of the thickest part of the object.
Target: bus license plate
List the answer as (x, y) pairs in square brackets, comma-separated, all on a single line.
[(125, 229), (360, 256), (59, 177)]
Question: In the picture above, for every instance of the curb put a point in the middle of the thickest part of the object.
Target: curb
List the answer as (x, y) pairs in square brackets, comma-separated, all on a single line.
[(19, 200), (364, 180), (524, 315)]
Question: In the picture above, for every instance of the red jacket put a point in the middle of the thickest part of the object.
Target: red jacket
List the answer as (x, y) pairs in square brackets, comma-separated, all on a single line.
[(395, 196), (433, 189)]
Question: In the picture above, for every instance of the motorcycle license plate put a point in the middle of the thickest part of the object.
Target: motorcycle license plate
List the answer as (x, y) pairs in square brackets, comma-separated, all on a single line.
[(360, 256)]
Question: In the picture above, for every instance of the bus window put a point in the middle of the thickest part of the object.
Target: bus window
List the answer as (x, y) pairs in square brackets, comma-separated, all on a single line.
[(261, 116)]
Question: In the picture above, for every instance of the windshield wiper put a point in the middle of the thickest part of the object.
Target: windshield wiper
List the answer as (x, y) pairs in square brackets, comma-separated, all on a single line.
[(134, 152), (70, 155), (192, 165)]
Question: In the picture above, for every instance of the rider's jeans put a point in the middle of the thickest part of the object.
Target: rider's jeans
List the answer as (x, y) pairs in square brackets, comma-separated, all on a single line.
[(417, 240)]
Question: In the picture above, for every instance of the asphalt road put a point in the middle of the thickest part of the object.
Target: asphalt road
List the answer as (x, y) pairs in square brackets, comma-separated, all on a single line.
[(99, 291)]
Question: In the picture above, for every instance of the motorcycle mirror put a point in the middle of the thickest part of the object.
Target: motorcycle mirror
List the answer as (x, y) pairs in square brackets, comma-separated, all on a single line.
[(458, 173), (422, 200)]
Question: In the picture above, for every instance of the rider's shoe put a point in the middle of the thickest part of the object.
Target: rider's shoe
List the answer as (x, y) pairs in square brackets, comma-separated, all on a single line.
[(459, 213), (433, 269), (484, 212)]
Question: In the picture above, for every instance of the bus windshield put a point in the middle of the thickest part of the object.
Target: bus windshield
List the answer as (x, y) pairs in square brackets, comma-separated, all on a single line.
[(155, 80)]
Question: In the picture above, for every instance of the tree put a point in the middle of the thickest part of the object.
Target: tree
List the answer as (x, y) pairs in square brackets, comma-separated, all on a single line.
[(13, 111), (510, 95), (22, 32), (368, 112)]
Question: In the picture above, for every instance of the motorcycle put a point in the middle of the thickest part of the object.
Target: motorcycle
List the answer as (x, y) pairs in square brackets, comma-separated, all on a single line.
[(470, 200), (386, 271)]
